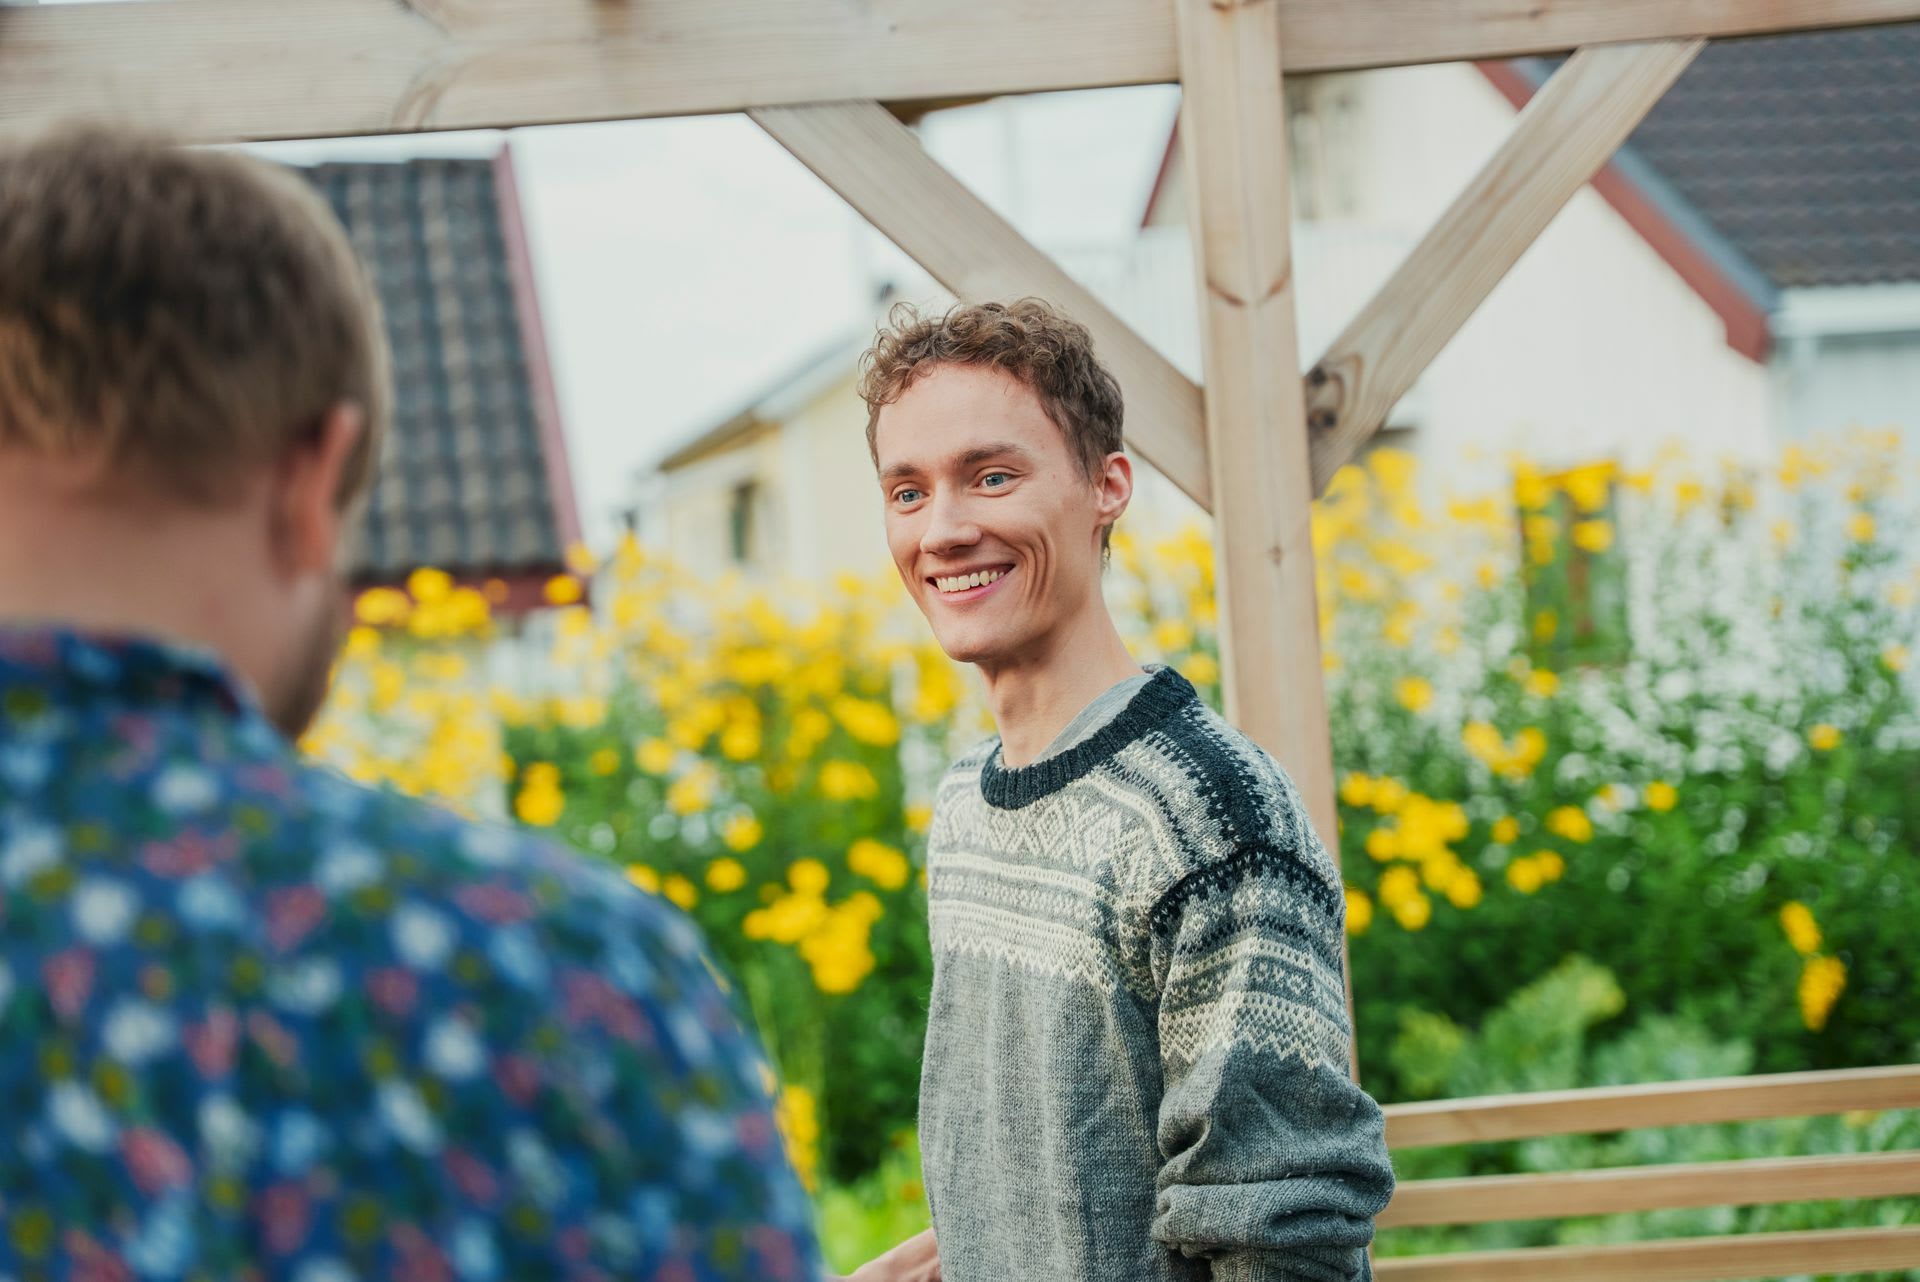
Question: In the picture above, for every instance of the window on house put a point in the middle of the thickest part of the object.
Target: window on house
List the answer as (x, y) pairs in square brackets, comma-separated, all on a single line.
[(740, 513), (1573, 569)]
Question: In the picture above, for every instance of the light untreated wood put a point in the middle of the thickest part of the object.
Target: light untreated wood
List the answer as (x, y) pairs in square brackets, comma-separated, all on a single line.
[(1489, 1199), (1707, 1259), (879, 167), (1233, 126), (233, 70), (1623, 1108), (1562, 138)]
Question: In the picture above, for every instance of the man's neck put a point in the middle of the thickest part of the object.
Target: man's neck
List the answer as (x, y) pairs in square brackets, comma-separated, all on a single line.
[(75, 557), (1036, 696)]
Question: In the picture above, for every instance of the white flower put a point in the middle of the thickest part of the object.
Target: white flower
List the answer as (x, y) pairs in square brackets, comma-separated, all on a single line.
[(452, 1051), (208, 901), (475, 1257), (306, 987), (423, 938), (6, 982), (488, 845), (229, 1135), (103, 910), (325, 1269), (31, 850), (185, 790), (347, 866), (79, 1117), (135, 1031), (406, 1117)]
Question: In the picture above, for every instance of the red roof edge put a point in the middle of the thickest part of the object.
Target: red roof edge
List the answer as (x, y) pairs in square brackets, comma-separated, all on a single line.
[(1748, 332), (1160, 174), (533, 343)]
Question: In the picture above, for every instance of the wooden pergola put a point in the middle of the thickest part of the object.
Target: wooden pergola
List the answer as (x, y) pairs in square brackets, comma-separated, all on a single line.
[(832, 80)]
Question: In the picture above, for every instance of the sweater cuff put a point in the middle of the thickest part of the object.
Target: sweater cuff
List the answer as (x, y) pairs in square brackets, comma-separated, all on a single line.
[(1284, 1266)]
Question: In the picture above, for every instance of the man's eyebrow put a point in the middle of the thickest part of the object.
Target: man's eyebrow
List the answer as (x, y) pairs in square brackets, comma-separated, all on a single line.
[(899, 471), (993, 450)]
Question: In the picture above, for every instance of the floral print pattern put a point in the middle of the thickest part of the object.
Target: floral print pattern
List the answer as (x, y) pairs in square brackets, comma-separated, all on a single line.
[(259, 1022)]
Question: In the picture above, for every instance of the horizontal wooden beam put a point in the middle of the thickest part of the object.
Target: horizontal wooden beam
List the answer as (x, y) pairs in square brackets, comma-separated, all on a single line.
[(1598, 1110), (1489, 1199), (234, 70), (879, 167), (1706, 1259), (1562, 138)]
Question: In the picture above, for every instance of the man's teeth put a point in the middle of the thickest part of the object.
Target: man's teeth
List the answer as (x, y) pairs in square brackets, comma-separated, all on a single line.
[(961, 582)]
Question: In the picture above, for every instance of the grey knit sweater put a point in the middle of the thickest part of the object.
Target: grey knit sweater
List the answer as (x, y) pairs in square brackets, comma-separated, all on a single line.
[(1136, 1062)]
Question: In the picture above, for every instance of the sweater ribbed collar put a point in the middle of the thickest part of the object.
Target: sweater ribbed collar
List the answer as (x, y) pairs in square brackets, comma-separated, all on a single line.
[(1010, 788)]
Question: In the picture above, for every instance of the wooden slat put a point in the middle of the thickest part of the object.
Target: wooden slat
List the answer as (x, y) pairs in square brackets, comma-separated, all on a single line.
[(1562, 138), (1340, 35), (877, 165), (1233, 134), (1623, 1108), (1491, 1199), (1710, 1259), (232, 70)]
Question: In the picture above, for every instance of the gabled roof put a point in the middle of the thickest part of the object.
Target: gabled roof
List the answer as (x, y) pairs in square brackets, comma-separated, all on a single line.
[(781, 398), (1802, 151), (475, 477)]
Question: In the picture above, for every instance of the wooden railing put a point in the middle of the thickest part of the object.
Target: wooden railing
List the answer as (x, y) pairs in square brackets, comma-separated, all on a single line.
[(1751, 1182)]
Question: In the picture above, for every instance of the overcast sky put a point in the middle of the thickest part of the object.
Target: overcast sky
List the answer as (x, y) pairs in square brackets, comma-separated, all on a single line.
[(683, 264)]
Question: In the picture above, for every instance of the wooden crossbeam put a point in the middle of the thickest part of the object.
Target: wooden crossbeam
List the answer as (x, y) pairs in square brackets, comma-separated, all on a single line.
[(879, 167), (1233, 127), (1705, 1259), (1596, 1110), (235, 70), (1563, 137), (1488, 1199)]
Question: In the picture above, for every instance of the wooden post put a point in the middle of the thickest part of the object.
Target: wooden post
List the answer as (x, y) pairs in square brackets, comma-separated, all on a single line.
[(1233, 132)]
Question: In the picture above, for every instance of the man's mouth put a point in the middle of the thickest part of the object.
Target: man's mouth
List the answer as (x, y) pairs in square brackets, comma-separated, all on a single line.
[(969, 585)]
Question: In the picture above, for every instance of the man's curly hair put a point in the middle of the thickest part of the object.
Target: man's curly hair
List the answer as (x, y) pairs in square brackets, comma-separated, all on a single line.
[(1031, 339)]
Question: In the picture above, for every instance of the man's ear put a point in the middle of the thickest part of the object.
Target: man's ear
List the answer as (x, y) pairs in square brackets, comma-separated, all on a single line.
[(1113, 487), (307, 514)]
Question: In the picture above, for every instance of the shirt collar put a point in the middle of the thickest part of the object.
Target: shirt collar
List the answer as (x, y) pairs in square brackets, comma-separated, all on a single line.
[(68, 665)]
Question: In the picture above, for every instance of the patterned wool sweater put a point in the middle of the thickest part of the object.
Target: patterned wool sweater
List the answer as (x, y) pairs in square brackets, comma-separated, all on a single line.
[(1137, 1050)]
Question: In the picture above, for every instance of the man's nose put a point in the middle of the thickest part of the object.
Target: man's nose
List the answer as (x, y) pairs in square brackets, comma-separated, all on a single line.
[(949, 527)]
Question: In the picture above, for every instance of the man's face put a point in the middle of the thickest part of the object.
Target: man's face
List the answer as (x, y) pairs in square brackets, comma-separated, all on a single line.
[(992, 523)]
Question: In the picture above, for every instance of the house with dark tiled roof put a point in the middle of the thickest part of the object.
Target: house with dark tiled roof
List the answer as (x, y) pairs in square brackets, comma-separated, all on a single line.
[(475, 478)]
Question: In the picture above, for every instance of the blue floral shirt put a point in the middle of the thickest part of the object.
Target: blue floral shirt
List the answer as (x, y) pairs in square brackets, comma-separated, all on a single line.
[(257, 1022)]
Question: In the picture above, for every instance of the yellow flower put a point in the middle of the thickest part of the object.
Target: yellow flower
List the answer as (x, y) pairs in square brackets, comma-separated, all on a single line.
[(1200, 668), (563, 589), (1356, 790), (1413, 913), (1171, 636), (1542, 684), (807, 876), (541, 801), (692, 792), (1413, 693), (644, 877), (1383, 844), (1398, 884), (655, 756), (680, 891), (1662, 796), (799, 1122), (1359, 911), (919, 816), (1894, 658), (1824, 737), (1552, 866), (1389, 795), (742, 832), (1525, 875), (847, 781), (867, 721), (580, 559), (381, 607), (740, 741), (1506, 831), (429, 586), (1822, 980), (1464, 890), (1860, 527), (604, 762), (879, 863), (1570, 822), (1590, 486), (1546, 625), (1593, 536), (725, 875), (1802, 931)]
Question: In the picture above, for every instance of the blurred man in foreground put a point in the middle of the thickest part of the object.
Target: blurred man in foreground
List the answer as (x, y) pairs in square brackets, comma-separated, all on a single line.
[(256, 1021), (1137, 1047)]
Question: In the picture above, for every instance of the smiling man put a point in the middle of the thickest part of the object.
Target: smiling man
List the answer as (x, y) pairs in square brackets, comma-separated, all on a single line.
[(1137, 1048)]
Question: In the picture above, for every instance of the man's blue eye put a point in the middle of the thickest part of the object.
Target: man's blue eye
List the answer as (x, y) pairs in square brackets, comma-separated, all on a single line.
[(907, 496), (991, 477)]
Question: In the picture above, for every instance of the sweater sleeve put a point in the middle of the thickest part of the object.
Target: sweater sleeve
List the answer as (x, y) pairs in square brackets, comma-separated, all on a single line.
[(1273, 1161)]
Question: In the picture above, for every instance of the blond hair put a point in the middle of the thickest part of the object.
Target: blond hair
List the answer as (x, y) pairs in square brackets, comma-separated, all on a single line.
[(182, 316)]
